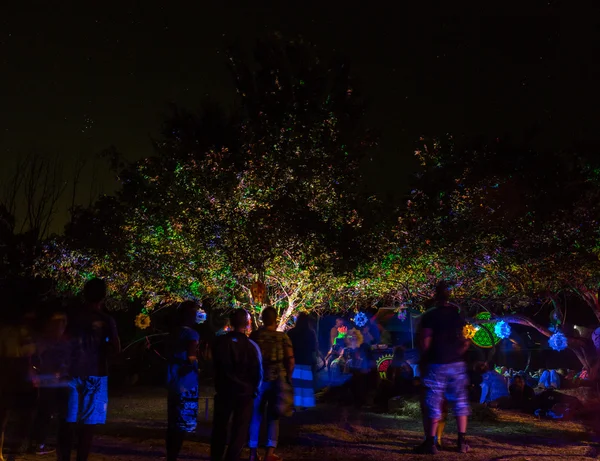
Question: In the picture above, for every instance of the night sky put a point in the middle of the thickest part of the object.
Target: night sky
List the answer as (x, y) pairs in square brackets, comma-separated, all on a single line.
[(78, 78)]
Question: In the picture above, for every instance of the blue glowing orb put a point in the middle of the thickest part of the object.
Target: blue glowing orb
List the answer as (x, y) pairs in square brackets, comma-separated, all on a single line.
[(502, 329), (558, 341), (360, 319)]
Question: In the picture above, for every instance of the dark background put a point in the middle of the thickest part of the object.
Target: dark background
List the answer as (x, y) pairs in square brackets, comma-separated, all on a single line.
[(77, 77)]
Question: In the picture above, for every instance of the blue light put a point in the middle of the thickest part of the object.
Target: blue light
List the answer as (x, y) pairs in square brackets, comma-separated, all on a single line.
[(558, 341), (200, 316), (360, 319), (502, 329)]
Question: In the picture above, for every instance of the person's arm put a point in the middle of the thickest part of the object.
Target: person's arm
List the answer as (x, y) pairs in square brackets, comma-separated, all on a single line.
[(257, 366), (288, 353), (113, 338), (426, 337)]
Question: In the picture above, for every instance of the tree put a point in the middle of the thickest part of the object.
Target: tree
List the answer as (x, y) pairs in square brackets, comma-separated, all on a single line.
[(509, 226)]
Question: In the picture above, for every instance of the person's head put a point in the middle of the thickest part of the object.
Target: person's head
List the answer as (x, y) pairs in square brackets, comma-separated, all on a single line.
[(269, 317), (239, 320), (442, 293), (398, 354), (302, 322), (54, 320), (187, 311), (519, 382), (94, 292), (339, 322)]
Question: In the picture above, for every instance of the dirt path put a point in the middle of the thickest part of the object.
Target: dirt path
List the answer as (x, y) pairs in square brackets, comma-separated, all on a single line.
[(136, 428)]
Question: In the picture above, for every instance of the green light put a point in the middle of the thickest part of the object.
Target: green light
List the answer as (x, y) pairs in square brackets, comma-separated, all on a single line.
[(483, 338)]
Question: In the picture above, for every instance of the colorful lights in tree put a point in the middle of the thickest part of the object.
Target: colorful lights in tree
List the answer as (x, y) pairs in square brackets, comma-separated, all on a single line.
[(502, 329), (558, 341)]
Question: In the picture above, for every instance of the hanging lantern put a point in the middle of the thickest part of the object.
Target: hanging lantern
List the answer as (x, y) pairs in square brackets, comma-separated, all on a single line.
[(142, 321), (469, 331), (360, 319), (502, 329), (558, 341), (259, 292), (200, 316), (485, 336)]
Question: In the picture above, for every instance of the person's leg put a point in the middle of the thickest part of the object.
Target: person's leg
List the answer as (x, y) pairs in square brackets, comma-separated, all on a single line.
[(258, 410), (272, 420), (457, 394), (85, 436), (174, 442), (434, 384), (442, 424), (66, 434), (94, 404), (218, 439), (46, 407), (242, 414)]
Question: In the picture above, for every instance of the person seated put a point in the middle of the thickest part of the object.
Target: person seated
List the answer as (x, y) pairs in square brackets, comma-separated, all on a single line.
[(400, 373), (493, 387), (521, 395), (549, 380)]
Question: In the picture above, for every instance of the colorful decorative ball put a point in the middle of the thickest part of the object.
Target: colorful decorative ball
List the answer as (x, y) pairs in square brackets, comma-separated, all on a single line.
[(502, 329), (360, 319), (200, 316), (469, 331), (558, 341), (485, 337), (402, 315), (142, 321)]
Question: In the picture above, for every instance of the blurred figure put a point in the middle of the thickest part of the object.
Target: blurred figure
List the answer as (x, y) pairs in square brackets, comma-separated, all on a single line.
[(53, 360), (238, 374), (366, 334), (443, 347), (18, 382), (182, 379), (95, 342), (493, 386), (278, 368), (334, 332), (304, 342)]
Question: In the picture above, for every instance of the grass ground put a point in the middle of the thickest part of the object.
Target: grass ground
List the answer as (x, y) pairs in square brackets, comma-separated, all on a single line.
[(137, 423)]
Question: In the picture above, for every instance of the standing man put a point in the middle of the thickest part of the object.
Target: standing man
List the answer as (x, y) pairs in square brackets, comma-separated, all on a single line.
[(238, 374), (95, 339), (443, 347), (278, 368)]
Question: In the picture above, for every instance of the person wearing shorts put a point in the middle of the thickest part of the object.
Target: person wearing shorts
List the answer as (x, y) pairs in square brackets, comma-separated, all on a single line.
[(443, 347), (85, 402)]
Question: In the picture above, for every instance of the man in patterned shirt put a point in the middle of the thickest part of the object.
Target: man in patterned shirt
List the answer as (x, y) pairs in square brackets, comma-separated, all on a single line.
[(278, 366)]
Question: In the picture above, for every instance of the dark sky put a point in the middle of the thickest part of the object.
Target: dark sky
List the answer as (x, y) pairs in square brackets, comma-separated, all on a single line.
[(77, 77)]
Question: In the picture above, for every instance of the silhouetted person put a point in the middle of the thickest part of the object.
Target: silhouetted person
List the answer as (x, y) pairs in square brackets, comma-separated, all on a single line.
[(95, 341), (182, 379), (52, 357), (238, 374), (304, 341), (334, 332), (443, 346), (278, 367), (18, 384)]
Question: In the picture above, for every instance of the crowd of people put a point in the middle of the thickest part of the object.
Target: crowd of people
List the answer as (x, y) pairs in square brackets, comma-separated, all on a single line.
[(60, 365)]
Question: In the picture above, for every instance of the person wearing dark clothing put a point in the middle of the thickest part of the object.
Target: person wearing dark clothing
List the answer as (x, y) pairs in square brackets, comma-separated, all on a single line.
[(182, 379), (443, 347), (18, 383), (95, 341), (304, 342), (238, 374), (521, 395), (52, 364)]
